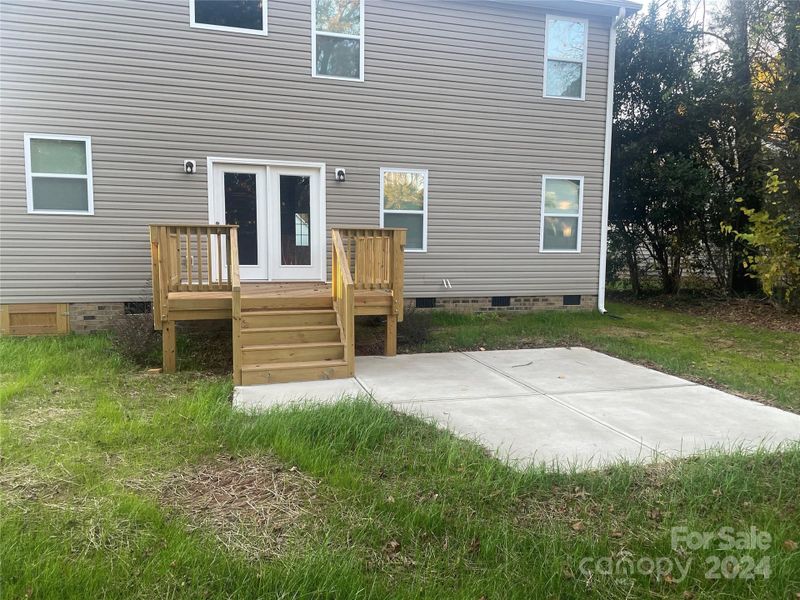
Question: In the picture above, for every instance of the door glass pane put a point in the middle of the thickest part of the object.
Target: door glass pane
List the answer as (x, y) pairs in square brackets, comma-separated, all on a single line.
[(241, 209), (58, 156), (56, 193), (412, 222), (244, 14), (338, 57), (295, 220)]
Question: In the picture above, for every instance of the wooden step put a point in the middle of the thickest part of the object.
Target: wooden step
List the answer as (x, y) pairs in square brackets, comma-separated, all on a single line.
[(286, 302), (287, 318), (283, 353), (294, 371), (290, 335)]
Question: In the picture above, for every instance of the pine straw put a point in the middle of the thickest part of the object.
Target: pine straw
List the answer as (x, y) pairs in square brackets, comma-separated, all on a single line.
[(251, 504)]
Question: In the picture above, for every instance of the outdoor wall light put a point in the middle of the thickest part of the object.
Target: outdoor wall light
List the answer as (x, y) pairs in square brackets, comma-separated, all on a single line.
[(189, 167), (341, 175)]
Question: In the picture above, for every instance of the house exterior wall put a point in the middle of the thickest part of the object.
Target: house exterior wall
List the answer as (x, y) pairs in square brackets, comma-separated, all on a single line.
[(451, 87)]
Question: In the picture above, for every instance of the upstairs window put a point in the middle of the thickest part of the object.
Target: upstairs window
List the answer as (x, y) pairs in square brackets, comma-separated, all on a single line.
[(244, 16), (337, 39), (404, 203), (562, 206), (58, 174), (565, 58)]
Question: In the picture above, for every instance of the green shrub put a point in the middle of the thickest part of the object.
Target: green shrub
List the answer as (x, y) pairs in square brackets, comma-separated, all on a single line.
[(775, 237)]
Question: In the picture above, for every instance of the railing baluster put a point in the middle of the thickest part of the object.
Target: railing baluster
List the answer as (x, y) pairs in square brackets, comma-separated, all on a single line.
[(228, 255), (219, 258), (208, 256), (370, 261), (360, 256), (188, 257), (199, 249)]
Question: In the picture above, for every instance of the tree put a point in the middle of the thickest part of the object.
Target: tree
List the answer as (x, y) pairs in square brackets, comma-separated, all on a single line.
[(743, 27), (701, 131), (773, 232), (660, 184)]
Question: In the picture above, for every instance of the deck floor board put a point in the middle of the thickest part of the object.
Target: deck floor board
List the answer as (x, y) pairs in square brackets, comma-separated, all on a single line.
[(201, 305)]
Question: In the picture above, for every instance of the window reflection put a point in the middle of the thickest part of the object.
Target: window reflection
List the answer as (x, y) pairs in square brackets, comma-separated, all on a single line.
[(241, 209), (242, 14), (295, 216)]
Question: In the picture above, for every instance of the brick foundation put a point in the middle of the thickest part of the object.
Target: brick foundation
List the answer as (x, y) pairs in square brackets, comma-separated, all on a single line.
[(518, 304), (85, 317), (98, 316)]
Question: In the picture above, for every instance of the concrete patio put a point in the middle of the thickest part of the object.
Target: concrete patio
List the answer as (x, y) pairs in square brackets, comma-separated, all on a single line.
[(565, 406)]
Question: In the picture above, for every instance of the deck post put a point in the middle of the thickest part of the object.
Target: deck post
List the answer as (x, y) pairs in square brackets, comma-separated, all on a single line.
[(398, 271), (236, 304), (390, 346), (168, 346), (236, 330)]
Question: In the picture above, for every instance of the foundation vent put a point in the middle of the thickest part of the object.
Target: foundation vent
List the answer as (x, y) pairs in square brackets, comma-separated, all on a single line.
[(501, 301), (425, 303)]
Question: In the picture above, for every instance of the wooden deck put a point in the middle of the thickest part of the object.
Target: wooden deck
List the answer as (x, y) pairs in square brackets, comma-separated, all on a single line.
[(196, 306), (287, 331)]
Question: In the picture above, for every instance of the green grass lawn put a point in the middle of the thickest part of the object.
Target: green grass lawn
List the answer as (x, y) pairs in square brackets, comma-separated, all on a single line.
[(117, 484), (743, 359)]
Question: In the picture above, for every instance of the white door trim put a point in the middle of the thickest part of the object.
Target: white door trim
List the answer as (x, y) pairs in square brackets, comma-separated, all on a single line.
[(322, 254), (259, 270)]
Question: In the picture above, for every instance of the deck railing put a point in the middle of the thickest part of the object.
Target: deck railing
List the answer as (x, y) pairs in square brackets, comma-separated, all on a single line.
[(191, 258), (343, 292), (375, 258)]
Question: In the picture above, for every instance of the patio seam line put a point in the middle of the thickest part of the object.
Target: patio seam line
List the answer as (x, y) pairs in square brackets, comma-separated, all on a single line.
[(480, 438), (627, 389), (620, 432), (457, 399), (687, 383), (363, 387)]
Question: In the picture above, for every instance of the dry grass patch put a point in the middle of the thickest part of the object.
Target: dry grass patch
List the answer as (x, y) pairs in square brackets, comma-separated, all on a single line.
[(31, 420), (251, 504), (23, 485)]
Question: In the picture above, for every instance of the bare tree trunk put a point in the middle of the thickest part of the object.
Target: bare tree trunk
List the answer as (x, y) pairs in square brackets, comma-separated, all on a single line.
[(633, 269), (720, 274), (748, 181), (792, 62)]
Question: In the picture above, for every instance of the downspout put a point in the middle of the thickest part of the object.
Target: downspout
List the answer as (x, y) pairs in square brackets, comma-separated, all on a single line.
[(612, 51)]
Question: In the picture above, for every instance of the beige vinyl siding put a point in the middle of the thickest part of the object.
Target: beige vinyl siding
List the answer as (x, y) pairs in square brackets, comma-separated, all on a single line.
[(451, 87)]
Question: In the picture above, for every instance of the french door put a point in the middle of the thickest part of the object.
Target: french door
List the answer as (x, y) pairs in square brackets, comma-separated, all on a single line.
[(278, 210)]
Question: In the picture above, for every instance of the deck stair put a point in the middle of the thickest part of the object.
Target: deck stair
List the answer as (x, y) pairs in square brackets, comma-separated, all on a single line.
[(290, 339), (281, 331)]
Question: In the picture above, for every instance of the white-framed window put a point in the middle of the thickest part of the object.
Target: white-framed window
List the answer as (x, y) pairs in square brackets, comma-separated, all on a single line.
[(562, 213), (404, 203), (241, 16), (58, 174), (565, 43), (337, 39)]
